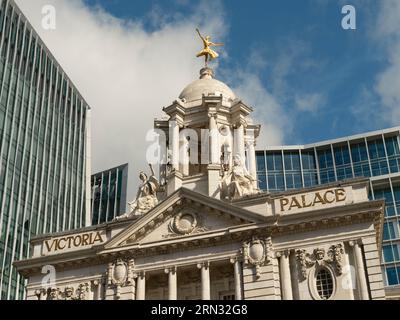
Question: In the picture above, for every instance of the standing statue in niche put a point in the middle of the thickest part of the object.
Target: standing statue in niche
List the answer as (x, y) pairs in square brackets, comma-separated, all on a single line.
[(146, 197), (237, 182)]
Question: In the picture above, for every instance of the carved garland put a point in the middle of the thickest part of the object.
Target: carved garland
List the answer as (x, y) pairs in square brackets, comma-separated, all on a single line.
[(69, 293), (317, 257)]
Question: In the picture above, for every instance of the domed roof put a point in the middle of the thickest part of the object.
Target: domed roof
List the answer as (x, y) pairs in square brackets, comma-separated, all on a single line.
[(206, 85)]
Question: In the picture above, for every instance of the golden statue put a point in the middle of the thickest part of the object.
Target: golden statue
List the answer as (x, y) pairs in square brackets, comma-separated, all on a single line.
[(207, 52)]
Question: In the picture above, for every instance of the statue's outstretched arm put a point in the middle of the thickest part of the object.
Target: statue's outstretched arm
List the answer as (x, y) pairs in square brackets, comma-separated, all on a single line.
[(216, 44), (151, 169), (198, 31)]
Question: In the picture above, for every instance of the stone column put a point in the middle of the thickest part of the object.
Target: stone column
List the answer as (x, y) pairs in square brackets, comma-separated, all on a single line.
[(251, 153), (239, 143), (174, 143), (141, 287), (284, 270), (362, 280), (205, 280), (214, 154), (172, 283), (184, 155), (98, 285), (237, 274)]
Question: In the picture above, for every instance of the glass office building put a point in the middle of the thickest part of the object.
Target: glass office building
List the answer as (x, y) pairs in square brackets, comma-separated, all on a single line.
[(375, 155), (109, 194), (43, 139)]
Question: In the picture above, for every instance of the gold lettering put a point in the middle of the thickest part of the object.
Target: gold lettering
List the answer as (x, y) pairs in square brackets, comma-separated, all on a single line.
[(318, 199), (98, 238), (77, 243), (294, 203), (60, 247), (284, 202), (326, 196), (340, 195), (85, 239), (69, 241), (303, 201), (56, 246), (73, 241), (49, 248)]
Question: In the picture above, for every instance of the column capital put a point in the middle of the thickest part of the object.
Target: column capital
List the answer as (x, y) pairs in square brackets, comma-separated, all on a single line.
[(233, 260), (205, 264), (241, 123), (283, 253), (250, 143), (355, 242), (170, 270), (212, 114), (139, 274)]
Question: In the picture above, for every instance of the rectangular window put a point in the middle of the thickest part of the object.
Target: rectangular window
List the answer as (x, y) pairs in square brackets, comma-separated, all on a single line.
[(392, 275), (276, 180), (260, 161), (360, 160), (390, 230)]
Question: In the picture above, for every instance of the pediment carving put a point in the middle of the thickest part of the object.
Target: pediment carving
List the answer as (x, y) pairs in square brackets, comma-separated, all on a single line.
[(186, 213), (185, 223)]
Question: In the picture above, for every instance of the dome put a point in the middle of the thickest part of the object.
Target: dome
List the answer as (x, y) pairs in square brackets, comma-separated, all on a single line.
[(206, 85)]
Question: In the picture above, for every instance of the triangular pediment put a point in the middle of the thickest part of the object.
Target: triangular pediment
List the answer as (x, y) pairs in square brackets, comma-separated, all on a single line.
[(184, 214)]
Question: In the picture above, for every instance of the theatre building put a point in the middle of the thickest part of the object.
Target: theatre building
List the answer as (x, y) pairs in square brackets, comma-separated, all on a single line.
[(206, 231)]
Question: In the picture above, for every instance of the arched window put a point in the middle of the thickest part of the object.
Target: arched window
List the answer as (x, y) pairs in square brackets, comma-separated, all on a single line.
[(324, 282)]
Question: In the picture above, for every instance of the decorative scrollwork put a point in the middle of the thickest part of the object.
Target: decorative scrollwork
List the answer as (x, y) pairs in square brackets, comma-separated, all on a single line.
[(53, 294), (83, 291), (185, 223), (307, 260), (119, 274), (69, 293), (257, 252), (335, 254)]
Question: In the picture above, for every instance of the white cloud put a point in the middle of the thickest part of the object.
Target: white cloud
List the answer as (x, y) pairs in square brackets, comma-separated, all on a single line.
[(309, 102), (128, 74), (267, 110), (125, 73), (388, 82)]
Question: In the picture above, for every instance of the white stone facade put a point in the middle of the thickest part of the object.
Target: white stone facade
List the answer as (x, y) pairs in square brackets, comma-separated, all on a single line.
[(317, 243), (192, 246)]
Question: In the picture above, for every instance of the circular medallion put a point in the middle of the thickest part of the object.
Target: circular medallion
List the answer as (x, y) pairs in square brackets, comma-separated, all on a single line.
[(185, 223)]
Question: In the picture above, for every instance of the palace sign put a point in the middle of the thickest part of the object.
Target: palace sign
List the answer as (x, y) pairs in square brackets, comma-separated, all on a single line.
[(73, 242), (312, 200)]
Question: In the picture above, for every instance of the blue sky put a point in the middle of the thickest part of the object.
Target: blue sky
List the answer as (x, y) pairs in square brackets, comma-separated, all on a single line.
[(306, 37), (306, 78)]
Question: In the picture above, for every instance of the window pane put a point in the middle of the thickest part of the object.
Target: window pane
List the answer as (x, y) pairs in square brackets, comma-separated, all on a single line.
[(388, 253), (391, 276)]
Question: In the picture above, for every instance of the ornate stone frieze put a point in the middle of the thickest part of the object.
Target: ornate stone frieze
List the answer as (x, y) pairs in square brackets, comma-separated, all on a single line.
[(319, 256), (257, 252), (53, 294), (335, 256), (83, 291), (69, 293), (41, 294)]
